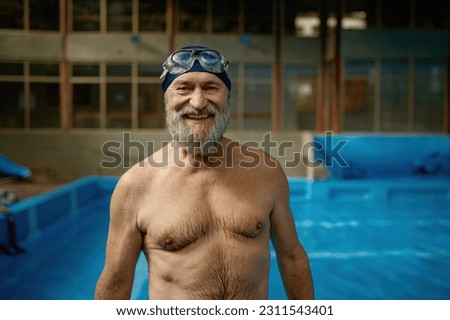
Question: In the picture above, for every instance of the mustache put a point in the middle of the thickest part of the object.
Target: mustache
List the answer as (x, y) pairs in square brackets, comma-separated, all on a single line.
[(186, 110)]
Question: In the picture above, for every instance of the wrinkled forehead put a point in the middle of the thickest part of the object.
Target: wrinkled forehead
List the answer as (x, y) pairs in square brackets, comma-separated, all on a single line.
[(198, 78)]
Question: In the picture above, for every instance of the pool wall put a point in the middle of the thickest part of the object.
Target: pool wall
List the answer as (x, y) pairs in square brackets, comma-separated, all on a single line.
[(37, 213), (360, 156), (370, 190)]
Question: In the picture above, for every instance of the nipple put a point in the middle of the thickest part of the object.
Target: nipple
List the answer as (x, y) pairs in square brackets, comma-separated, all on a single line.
[(259, 225), (168, 241)]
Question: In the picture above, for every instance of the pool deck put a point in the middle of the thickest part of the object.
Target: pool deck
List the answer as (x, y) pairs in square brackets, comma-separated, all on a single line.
[(34, 186)]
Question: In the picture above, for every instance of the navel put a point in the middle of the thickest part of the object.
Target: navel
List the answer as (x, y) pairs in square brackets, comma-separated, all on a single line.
[(167, 277)]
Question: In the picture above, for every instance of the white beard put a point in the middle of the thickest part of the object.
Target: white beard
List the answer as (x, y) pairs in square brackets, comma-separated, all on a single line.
[(202, 141)]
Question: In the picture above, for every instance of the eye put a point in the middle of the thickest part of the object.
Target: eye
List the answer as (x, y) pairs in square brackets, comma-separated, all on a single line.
[(211, 88), (182, 89)]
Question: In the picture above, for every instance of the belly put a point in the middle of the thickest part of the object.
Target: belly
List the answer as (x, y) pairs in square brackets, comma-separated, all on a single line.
[(214, 269)]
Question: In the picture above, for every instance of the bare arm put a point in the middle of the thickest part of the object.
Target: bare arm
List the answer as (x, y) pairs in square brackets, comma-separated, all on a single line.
[(292, 259), (123, 245)]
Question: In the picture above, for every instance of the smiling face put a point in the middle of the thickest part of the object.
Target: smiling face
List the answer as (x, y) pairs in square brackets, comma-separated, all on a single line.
[(197, 108)]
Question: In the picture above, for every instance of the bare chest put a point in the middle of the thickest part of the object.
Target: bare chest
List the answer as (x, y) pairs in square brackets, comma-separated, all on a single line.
[(176, 216)]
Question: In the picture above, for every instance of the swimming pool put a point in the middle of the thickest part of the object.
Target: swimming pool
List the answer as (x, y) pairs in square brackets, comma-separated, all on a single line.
[(366, 239)]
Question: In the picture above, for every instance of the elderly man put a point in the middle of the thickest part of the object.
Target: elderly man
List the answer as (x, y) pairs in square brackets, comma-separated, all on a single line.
[(204, 220)]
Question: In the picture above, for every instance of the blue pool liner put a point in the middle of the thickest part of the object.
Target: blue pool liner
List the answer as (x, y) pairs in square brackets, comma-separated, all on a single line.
[(36, 213), (347, 156)]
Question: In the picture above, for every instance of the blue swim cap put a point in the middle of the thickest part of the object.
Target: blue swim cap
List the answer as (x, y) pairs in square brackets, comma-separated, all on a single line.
[(173, 68)]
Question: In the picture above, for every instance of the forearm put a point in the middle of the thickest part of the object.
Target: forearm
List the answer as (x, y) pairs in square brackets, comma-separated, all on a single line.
[(108, 289), (297, 279)]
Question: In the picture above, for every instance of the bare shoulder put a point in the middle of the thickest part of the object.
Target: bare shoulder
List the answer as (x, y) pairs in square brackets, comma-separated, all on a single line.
[(127, 182), (262, 161), (134, 182), (276, 174), (264, 166), (125, 188)]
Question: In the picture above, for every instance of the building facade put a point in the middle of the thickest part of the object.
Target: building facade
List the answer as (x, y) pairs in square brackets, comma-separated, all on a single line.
[(78, 64), (76, 75)]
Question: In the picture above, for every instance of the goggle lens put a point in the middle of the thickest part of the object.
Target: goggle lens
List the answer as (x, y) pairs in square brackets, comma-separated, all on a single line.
[(182, 60), (182, 57)]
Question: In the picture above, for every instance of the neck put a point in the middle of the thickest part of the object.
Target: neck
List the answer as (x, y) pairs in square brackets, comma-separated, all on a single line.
[(210, 154)]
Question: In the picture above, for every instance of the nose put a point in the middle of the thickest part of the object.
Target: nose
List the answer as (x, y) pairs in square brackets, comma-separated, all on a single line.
[(198, 100)]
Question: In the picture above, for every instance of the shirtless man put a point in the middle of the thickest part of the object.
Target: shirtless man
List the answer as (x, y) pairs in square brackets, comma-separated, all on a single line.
[(204, 220)]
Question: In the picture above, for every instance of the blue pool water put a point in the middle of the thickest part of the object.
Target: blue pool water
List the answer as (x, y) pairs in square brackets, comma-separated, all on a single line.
[(371, 239)]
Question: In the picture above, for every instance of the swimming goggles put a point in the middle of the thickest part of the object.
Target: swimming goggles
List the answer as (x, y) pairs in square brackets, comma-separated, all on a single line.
[(182, 61)]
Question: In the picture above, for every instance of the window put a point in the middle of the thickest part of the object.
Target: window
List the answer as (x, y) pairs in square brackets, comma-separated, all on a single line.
[(12, 110), (150, 70), (118, 96), (152, 15), (359, 95), (258, 16), (300, 92), (118, 70), (359, 12), (44, 69), (86, 96), (89, 70), (118, 103), (226, 16), (431, 14), (151, 106), (11, 69), (151, 100), (86, 105), (395, 14), (301, 17), (429, 79), (30, 95), (258, 96), (44, 105), (394, 95), (86, 15), (119, 15), (11, 14), (192, 16), (44, 15)]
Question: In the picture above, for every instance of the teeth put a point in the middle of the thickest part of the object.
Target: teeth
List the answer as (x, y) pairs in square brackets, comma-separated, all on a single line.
[(197, 116)]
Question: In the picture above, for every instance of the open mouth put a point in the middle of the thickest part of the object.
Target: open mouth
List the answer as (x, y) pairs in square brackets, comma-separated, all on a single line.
[(203, 116)]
